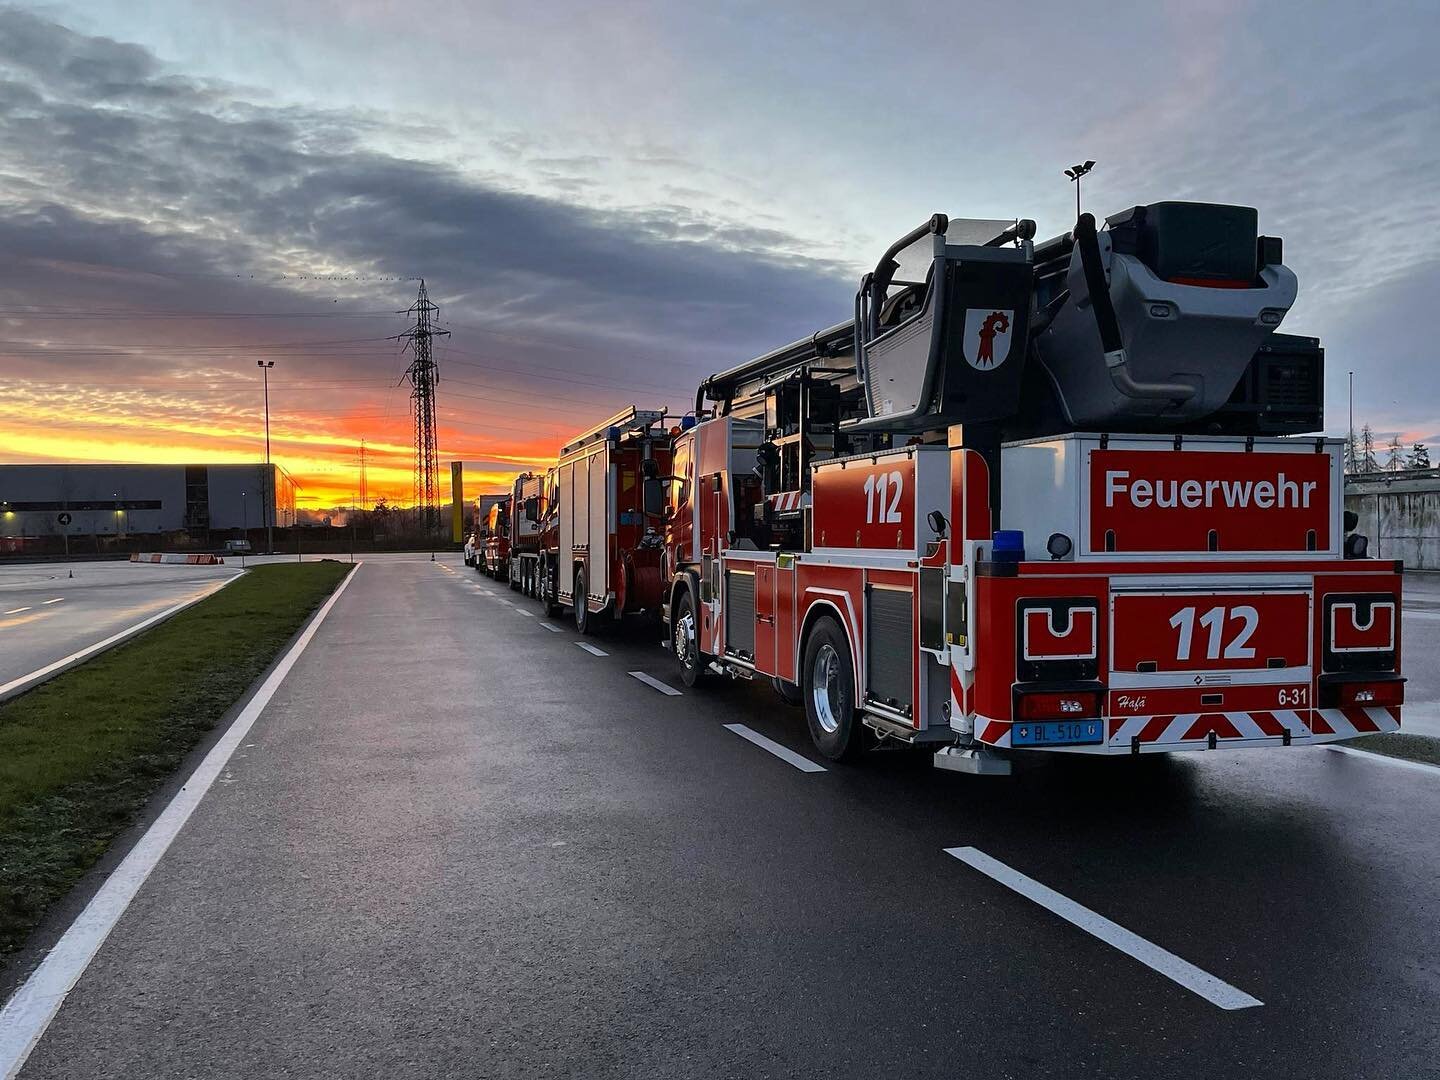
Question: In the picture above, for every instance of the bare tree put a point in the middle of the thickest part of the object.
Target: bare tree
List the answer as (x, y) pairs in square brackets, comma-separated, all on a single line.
[(1368, 461), (1396, 461)]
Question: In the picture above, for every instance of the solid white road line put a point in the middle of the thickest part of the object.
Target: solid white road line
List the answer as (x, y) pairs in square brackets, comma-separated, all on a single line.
[(1386, 759), (16, 610), (39, 675), (784, 753), (28, 1013), (591, 649), (552, 629), (1218, 993), (55, 601), (656, 683)]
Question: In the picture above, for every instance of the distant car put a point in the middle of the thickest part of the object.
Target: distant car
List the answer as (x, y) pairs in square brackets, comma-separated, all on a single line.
[(238, 547)]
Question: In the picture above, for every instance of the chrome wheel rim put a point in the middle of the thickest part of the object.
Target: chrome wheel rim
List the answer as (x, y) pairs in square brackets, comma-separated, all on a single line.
[(685, 648), (825, 688)]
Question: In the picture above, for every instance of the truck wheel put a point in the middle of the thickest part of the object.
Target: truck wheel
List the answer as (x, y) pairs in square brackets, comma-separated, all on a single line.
[(510, 577), (584, 618), (685, 640), (548, 575), (829, 689)]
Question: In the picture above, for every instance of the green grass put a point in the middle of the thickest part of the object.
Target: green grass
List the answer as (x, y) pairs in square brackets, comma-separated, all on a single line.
[(1399, 744), (81, 754)]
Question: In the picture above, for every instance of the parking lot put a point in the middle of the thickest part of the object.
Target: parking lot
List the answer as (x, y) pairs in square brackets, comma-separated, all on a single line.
[(458, 841)]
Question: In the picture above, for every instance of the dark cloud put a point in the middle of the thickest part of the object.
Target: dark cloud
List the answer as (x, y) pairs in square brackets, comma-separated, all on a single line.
[(134, 187)]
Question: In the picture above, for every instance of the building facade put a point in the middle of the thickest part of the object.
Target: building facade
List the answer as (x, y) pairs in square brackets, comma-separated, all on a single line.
[(149, 500)]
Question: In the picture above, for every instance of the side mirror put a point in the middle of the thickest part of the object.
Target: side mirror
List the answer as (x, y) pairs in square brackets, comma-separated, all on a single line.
[(654, 495), (936, 520), (532, 509), (1352, 521)]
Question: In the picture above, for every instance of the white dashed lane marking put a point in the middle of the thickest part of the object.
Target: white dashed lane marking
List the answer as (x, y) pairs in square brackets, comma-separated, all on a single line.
[(656, 683), (1218, 993), (784, 753), (552, 629), (591, 649)]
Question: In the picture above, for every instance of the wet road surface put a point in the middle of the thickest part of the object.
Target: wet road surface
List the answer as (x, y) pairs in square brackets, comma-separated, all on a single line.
[(456, 844)]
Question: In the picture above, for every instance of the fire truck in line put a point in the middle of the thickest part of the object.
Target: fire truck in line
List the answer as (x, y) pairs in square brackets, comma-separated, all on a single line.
[(1057, 496), (602, 545), (494, 546), (522, 534)]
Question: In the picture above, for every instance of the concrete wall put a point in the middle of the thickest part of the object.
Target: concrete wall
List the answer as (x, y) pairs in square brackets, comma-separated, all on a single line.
[(1400, 513)]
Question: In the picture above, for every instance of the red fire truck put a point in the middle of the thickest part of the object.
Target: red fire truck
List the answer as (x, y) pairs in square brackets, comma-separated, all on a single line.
[(495, 542), (605, 544), (1051, 496), (523, 564)]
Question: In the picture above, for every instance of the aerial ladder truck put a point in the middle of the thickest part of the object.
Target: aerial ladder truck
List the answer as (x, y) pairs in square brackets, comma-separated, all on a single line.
[(1065, 496)]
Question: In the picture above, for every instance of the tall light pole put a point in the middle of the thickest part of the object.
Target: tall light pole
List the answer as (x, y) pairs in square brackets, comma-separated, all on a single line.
[(1075, 172), (267, 491), (1350, 434)]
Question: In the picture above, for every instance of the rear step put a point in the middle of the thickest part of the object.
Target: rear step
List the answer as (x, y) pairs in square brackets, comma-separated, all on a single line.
[(976, 761)]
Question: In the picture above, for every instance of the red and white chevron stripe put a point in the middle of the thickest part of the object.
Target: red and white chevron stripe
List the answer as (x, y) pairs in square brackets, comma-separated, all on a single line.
[(786, 501), (1192, 730)]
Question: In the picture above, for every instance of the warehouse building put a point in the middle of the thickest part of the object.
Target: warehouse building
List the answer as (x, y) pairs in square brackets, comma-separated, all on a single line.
[(39, 501)]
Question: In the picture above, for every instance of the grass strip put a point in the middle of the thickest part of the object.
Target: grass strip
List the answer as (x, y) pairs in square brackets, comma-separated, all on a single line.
[(1398, 744), (81, 754)]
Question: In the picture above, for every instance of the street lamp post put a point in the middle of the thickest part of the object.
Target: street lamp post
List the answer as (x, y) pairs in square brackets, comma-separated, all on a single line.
[(1075, 172), (267, 492)]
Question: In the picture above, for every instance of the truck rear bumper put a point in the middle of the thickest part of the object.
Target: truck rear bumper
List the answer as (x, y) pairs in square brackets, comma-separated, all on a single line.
[(1207, 731)]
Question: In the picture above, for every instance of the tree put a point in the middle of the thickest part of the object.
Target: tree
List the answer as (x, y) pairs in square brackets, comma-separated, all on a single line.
[(1368, 462), (1419, 457), (1396, 460), (1352, 453)]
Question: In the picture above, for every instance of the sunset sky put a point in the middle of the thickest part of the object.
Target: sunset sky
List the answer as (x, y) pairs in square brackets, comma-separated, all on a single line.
[(611, 201)]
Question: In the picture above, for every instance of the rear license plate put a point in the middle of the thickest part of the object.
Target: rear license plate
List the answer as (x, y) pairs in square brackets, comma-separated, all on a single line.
[(1057, 732)]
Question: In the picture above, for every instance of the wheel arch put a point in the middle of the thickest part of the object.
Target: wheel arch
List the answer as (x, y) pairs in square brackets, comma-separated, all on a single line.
[(818, 609)]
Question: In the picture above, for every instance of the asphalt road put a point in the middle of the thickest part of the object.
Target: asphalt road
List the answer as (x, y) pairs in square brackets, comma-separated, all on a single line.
[(456, 844), (46, 615)]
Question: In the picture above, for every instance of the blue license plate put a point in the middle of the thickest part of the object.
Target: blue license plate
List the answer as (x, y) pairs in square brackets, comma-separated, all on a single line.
[(1057, 732)]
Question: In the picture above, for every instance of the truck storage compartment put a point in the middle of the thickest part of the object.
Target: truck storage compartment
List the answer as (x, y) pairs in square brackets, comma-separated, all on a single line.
[(890, 648), (740, 612)]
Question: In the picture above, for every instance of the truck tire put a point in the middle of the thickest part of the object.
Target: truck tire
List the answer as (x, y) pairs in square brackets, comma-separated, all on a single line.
[(685, 641), (548, 576), (828, 680), (510, 572), (584, 617)]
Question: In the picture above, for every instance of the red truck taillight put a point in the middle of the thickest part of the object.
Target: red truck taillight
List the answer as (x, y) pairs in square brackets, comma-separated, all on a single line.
[(1057, 704), (1359, 691)]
